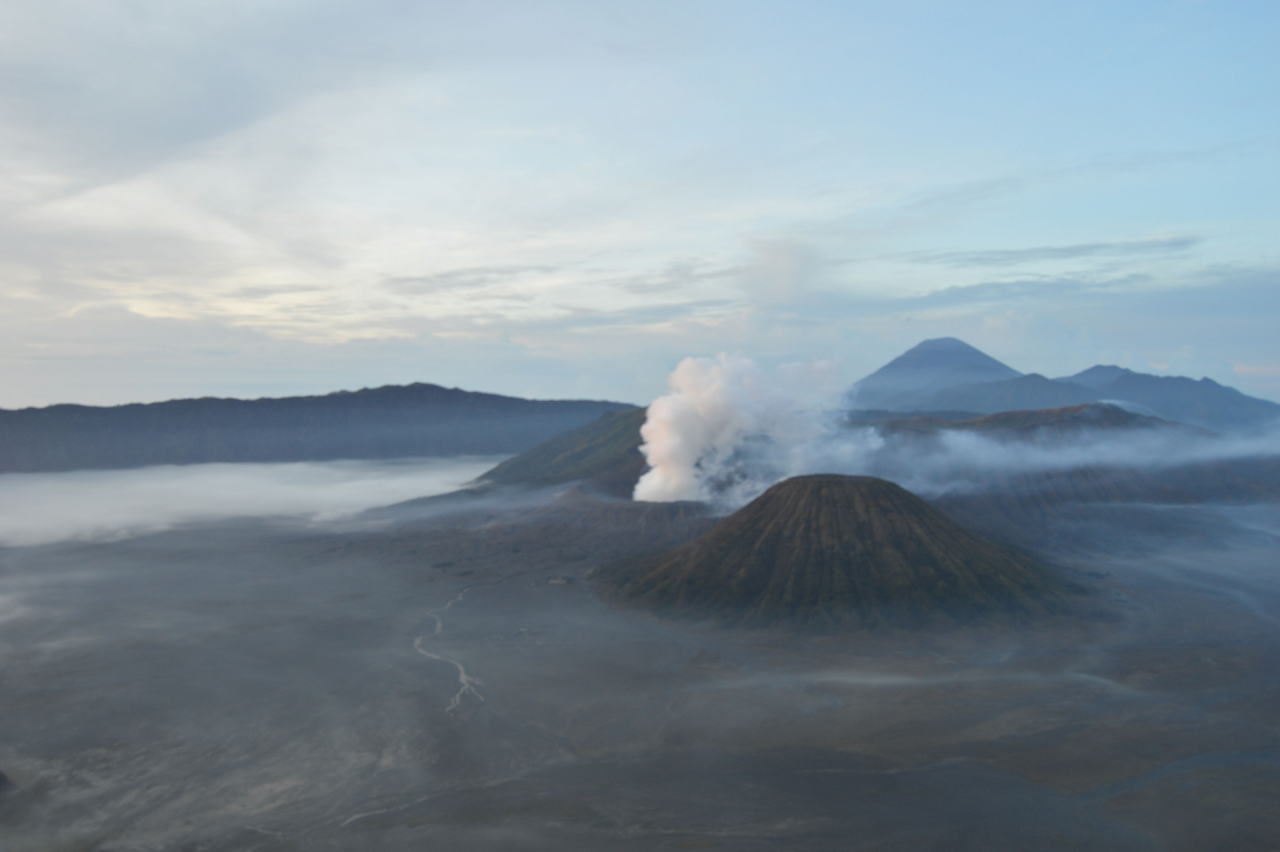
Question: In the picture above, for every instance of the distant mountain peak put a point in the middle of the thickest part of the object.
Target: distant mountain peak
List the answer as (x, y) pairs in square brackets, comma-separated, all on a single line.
[(944, 344), (931, 365), (945, 374), (1096, 377)]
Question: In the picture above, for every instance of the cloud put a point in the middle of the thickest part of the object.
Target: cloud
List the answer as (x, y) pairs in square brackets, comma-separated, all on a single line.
[(121, 90), (782, 270), (469, 278), (951, 198), (38, 508), (1040, 254), (556, 180), (676, 277), (1043, 289)]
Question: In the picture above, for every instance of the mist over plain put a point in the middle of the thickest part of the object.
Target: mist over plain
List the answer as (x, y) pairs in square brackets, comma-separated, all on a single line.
[(39, 508)]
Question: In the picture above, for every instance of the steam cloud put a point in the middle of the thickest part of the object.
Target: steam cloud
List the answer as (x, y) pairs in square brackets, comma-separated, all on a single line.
[(38, 508), (728, 430)]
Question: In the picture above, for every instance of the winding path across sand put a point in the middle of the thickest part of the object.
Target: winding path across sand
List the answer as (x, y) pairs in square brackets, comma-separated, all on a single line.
[(467, 683)]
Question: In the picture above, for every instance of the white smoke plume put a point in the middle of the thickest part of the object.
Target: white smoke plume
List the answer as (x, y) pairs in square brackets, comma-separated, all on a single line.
[(728, 430)]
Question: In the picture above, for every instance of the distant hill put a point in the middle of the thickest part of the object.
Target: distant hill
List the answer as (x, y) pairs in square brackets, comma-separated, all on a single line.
[(1069, 419), (949, 375), (911, 379), (387, 422), (1025, 393), (605, 453), (1202, 403), (1048, 422), (1096, 377), (829, 551), (1228, 480)]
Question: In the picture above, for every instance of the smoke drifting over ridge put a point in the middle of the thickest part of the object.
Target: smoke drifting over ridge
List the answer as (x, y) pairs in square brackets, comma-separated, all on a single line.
[(728, 430)]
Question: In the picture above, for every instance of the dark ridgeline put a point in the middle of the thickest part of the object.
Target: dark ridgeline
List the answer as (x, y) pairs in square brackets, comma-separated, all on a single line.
[(379, 423), (1027, 392), (1047, 424), (840, 552), (946, 376), (1202, 403)]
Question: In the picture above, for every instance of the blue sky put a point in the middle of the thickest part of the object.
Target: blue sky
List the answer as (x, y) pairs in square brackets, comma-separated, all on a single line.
[(563, 199)]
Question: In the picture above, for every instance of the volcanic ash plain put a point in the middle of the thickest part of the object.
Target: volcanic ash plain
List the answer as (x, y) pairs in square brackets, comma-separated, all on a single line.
[(444, 675)]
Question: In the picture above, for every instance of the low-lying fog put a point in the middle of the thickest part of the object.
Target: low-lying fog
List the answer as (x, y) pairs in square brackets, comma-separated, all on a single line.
[(37, 508), (180, 671)]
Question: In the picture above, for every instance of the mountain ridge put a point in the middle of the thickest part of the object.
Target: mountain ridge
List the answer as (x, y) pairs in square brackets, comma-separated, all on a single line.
[(392, 421), (926, 378)]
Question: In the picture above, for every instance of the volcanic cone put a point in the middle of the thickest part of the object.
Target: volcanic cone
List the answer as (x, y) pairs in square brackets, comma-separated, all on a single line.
[(832, 551)]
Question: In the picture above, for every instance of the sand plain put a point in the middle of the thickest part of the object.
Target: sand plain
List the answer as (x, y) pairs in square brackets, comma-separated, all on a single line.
[(442, 675)]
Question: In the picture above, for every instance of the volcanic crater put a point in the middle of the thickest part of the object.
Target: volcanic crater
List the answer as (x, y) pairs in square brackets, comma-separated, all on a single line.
[(840, 552)]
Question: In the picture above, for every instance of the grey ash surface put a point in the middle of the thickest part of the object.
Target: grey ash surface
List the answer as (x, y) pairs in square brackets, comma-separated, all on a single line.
[(420, 683)]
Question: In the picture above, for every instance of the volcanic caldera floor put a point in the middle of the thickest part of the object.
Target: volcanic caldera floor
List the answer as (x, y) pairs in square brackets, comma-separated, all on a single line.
[(450, 678)]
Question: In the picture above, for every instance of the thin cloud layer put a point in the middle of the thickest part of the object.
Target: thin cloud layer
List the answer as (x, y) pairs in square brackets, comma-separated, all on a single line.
[(39, 508), (1017, 257)]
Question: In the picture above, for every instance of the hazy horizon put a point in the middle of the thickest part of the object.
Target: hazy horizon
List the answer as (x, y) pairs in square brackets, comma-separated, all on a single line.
[(821, 379)]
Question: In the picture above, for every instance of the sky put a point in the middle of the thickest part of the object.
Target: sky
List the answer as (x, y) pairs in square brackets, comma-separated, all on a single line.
[(564, 199)]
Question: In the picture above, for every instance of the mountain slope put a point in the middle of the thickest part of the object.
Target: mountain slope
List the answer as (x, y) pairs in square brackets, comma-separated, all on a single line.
[(1025, 393), (606, 452), (386, 422), (1048, 422), (947, 374), (910, 380), (830, 551), (1202, 403), (1097, 376)]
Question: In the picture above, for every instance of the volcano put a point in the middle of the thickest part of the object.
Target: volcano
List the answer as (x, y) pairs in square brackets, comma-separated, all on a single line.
[(840, 552), (910, 380)]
